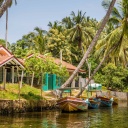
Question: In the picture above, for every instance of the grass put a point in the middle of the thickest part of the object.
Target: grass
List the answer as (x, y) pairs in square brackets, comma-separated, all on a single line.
[(26, 92), (31, 93)]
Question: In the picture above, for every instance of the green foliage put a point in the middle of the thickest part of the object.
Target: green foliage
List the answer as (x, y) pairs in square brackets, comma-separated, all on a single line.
[(44, 65), (58, 41), (112, 76), (31, 96), (27, 92), (2, 42)]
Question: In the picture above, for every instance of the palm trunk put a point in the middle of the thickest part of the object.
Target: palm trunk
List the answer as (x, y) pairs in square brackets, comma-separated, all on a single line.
[(91, 45), (97, 68), (6, 34), (4, 7)]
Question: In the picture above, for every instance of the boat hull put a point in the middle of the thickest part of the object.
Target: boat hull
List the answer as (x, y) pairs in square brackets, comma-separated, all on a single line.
[(94, 103), (115, 102), (105, 102), (72, 104)]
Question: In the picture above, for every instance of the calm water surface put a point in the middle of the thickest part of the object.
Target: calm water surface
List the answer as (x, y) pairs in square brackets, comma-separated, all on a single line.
[(115, 117)]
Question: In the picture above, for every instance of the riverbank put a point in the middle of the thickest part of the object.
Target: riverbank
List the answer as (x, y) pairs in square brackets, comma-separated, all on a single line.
[(26, 99), (22, 106), (31, 99)]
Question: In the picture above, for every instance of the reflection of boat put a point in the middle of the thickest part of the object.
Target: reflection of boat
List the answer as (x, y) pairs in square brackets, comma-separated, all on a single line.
[(71, 104), (94, 103), (73, 120), (105, 102)]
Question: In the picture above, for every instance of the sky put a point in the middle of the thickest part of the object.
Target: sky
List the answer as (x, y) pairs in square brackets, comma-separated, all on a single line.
[(28, 14)]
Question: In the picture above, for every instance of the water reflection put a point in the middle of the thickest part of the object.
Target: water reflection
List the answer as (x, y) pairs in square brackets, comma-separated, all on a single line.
[(115, 117), (73, 120)]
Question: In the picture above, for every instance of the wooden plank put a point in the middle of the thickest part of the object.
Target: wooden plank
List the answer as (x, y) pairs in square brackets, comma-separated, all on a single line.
[(68, 88)]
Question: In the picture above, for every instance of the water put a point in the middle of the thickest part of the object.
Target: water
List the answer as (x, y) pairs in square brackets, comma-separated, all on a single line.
[(115, 117)]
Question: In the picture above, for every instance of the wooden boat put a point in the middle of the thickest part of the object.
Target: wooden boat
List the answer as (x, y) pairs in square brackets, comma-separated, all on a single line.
[(105, 101), (115, 101), (94, 103), (72, 104)]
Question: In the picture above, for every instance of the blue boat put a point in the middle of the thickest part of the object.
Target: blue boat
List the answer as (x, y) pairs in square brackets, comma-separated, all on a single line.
[(94, 103), (105, 102)]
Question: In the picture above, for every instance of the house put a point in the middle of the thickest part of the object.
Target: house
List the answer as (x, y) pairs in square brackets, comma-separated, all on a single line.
[(58, 61), (9, 66), (70, 68)]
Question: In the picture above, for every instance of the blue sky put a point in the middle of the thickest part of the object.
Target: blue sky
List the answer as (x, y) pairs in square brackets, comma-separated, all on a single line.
[(28, 14)]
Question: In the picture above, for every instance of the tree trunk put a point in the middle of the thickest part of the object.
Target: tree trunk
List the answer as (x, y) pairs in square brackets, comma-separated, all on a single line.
[(6, 34), (91, 45), (4, 7), (96, 69)]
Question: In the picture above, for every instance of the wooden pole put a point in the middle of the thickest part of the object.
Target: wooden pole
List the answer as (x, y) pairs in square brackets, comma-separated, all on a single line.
[(41, 89), (21, 82), (4, 77), (12, 74), (60, 58), (32, 79)]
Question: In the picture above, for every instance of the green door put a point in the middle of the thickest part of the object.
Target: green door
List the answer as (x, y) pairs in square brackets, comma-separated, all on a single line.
[(50, 81)]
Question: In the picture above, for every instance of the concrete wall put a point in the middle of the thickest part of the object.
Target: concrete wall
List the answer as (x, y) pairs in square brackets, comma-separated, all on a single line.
[(120, 95)]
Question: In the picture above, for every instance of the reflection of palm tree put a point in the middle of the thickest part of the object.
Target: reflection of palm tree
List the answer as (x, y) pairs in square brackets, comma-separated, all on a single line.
[(91, 45)]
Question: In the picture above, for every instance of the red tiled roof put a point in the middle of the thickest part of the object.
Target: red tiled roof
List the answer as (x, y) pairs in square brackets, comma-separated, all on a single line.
[(69, 66), (6, 56)]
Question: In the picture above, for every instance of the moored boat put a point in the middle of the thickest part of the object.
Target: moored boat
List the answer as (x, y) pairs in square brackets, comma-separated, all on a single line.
[(72, 104), (105, 101), (94, 103), (115, 101)]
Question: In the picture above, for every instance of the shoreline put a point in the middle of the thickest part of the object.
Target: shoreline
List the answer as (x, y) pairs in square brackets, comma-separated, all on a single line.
[(22, 106)]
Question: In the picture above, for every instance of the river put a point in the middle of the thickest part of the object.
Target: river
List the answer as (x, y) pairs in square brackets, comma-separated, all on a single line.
[(115, 117)]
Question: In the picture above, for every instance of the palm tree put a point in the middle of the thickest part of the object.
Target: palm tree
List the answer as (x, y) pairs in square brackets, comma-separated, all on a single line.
[(56, 25), (67, 22), (80, 32), (91, 45), (96, 69), (117, 34), (40, 39), (4, 4)]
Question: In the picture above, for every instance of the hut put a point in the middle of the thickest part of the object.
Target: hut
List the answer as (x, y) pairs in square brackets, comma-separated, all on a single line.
[(9, 66)]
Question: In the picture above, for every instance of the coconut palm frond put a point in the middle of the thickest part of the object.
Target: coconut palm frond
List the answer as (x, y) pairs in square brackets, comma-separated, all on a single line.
[(106, 4), (116, 13), (124, 8), (114, 20)]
